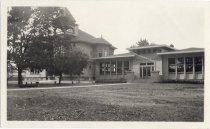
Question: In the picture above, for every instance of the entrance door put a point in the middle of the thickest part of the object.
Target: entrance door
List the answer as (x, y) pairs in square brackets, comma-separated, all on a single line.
[(145, 71)]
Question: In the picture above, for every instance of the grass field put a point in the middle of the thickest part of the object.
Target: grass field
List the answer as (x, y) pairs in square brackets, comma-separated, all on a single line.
[(128, 102)]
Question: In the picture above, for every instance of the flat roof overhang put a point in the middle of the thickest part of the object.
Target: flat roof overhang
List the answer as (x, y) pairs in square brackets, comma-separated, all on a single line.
[(148, 47), (180, 52), (113, 57)]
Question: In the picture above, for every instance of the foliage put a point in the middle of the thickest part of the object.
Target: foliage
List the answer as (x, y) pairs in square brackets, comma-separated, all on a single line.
[(142, 42), (32, 36), (171, 45), (71, 62), (18, 36)]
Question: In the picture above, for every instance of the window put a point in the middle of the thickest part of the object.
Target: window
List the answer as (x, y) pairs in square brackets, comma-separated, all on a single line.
[(105, 52), (107, 68), (143, 51), (148, 51), (171, 65), (101, 68), (113, 68), (126, 65), (119, 67), (159, 50), (189, 64), (142, 63), (100, 54), (198, 64), (180, 65), (150, 63), (34, 71), (154, 51)]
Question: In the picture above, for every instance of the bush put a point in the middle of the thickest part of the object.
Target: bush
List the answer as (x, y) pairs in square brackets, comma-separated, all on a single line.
[(121, 80), (29, 85)]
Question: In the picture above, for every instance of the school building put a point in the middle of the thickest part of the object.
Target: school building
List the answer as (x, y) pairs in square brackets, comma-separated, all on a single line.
[(156, 62)]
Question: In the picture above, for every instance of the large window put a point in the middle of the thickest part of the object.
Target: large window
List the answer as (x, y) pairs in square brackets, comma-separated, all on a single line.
[(180, 65), (105, 52), (113, 68), (126, 65), (107, 68), (198, 64), (119, 67), (100, 54), (171, 65), (102, 65), (189, 64)]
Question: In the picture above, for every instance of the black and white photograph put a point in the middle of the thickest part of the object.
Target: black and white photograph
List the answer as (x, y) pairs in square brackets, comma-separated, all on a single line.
[(106, 61)]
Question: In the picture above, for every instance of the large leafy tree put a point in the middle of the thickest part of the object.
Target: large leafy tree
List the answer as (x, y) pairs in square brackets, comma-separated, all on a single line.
[(18, 37), (38, 37)]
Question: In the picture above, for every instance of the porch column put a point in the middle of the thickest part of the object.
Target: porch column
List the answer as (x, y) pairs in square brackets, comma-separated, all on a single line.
[(104, 68), (142, 73), (116, 67), (184, 68), (110, 68), (123, 67), (202, 68), (193, 68), (176, 68)]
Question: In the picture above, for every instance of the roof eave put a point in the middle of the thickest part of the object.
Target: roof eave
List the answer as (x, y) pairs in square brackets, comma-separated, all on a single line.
[(106, 57), (180, 52), (136, 48)]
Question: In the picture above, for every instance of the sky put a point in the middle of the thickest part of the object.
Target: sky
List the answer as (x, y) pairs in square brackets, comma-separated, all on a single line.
[(123, 22)]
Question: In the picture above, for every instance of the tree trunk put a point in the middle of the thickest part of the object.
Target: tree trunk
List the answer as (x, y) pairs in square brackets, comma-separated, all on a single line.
[(78, 78), (60, 77), (20, 78)]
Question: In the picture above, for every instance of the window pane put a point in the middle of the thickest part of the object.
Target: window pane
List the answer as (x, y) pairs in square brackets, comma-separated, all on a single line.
[(189, 60), (171, 68), (101, 68), (198, 68), (119, 67), (150, 63), (100, 54), (126, 65), (180, 60), (107, 68), (113, 68), (180, 68), (189, 68), (142, 63), (198, 60), (171, 61)]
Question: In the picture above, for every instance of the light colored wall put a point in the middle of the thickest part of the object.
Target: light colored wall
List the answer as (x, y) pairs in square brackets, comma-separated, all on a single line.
[(158, 66), (40, 74)]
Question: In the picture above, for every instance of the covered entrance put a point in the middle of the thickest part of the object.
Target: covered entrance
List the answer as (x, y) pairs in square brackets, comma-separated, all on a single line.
[(146, 69)]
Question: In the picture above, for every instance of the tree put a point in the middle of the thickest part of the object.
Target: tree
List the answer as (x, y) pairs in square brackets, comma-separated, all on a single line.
[(18, 36), (71, 62), (171, 45), (30, 36), (142, 42)]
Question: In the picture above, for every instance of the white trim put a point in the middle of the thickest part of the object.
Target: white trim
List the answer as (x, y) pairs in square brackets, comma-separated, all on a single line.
[(110, 57), (146, 47), (180, 52)]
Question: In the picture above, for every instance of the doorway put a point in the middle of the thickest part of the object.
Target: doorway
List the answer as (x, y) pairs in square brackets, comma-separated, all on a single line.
[(145, 70)]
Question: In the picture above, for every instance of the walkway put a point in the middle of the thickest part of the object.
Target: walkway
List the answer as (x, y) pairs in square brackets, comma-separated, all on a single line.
[(64, 87)]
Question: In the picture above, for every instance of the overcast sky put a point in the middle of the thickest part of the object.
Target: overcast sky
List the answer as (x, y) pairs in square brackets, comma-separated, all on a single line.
[(123, 23)]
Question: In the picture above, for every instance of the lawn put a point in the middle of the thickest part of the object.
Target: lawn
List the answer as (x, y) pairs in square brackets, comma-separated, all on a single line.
[(127, 102)]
